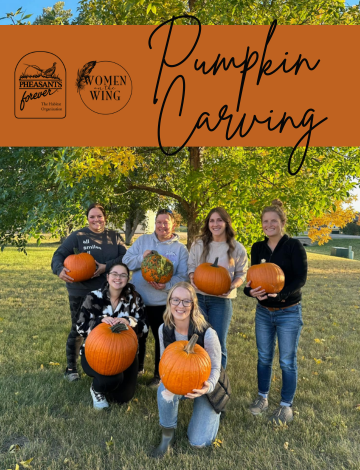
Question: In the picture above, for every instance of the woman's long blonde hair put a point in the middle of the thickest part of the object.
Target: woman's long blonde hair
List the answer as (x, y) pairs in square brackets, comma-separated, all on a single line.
[(196, 317)]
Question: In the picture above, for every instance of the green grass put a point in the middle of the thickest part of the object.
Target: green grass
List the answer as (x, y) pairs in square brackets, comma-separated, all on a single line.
[(54, 423), (339, 242)]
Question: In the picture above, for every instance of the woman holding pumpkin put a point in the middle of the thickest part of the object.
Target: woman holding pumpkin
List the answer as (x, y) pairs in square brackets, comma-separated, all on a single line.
[(182, 319), (116, 302), (167, 244), (278, 315), (107, 248), (217, 240)]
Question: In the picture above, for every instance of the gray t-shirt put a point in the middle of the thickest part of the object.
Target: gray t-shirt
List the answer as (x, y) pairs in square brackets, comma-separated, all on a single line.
[(211, 346)]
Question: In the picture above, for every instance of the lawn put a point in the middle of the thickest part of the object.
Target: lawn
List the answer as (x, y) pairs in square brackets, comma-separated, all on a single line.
[(339, 242), (53, 422)]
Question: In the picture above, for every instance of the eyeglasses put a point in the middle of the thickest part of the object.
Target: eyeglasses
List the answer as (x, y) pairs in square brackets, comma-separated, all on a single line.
[(185, 302), (117, 275)]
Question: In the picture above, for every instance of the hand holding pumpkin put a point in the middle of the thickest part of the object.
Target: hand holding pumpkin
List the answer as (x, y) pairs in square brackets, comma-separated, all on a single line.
[(114, 321), (259, 293), (100, 268), (64, 277), (199, 392), (157, 285)]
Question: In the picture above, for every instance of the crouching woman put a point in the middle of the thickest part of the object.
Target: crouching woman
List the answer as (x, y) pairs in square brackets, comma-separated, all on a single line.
[(116, 302), (182, 319)]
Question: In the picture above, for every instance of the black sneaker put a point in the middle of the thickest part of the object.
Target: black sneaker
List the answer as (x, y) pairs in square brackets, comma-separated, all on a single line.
[(154, 382), (71, 375)]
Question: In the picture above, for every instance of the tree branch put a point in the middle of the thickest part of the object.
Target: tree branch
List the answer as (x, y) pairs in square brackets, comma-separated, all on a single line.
[(162, 192)]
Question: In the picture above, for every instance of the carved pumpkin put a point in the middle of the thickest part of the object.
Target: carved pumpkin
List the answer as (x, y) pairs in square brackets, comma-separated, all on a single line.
[(82, 266), (184, 366), (212, 279), (267, 275), (109, 349), (157, 268)]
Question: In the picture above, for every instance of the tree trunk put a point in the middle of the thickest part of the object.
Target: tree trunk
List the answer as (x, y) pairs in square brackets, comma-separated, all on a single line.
[(192, 226), (130, 226)]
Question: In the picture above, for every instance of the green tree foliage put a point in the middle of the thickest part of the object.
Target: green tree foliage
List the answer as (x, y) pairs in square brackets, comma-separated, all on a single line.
[(55, 15), (42, 193)]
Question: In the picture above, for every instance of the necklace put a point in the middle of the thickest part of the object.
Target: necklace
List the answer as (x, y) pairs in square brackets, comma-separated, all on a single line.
[(114, 303)]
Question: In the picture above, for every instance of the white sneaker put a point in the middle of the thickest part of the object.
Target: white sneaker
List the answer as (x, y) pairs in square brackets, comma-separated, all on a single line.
[(99, 399)]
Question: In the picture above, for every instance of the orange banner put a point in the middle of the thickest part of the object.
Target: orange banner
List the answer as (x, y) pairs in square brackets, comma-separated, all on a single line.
[(180, 85)]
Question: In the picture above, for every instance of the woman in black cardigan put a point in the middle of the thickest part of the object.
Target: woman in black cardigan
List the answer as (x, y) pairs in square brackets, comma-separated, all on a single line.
[(278, 315)]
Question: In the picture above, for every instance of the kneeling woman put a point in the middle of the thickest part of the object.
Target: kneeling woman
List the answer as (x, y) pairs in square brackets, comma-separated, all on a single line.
[(182, 318), (116, 302)]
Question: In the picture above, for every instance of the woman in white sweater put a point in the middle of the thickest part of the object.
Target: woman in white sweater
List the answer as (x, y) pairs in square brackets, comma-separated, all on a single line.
[(217, 240)]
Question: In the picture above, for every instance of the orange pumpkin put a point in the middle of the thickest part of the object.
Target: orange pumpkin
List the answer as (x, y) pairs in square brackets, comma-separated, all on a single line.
[(82, 266), (157, 268), (267, 275), (212, 279), (109, 349), (184, 366)]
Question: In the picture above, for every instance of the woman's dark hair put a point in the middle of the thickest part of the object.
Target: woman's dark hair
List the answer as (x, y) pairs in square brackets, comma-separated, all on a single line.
[(206, 235), (165, 211), (276, 206), (98, 206)]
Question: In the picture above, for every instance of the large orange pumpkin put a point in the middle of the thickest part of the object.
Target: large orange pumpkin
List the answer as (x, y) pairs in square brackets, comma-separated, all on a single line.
[(212, 279), (157, 268), (109, 349), (184, 366), (82, 266), (267, 275)]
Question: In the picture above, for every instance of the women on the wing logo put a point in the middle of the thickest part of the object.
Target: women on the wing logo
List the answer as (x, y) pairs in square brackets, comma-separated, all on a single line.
[(40, 87), (105, 87)]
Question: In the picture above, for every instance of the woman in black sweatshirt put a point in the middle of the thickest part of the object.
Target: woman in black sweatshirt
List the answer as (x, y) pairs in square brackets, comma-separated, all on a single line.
[(107, 248), (278, 315)]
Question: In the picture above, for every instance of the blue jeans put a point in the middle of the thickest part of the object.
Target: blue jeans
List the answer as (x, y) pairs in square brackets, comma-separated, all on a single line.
[(286, 324), (204, 423), (218, 312)]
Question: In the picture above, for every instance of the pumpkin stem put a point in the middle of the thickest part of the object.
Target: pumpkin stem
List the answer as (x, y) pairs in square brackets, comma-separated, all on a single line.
[(119, 327), (263, 261), (215, 265), (76, 251), (189, 348)]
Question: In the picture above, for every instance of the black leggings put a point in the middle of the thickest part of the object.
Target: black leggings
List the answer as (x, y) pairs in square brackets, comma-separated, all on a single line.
[(74, 341), (154, 316), (120, 387)]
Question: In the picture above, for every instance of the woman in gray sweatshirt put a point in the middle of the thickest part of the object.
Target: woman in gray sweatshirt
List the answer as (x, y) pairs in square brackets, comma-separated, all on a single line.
[(154, 294)]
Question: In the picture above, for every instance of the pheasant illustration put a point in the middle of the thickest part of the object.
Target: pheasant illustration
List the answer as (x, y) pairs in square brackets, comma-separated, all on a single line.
[(47, 73)]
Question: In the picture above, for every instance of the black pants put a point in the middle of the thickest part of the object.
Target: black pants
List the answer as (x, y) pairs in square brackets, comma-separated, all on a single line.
[(120, 387), (74, 341), (154, 316)]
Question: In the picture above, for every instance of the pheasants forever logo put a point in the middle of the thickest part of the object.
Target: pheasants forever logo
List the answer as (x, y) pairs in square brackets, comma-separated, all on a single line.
[(40, 87), (104, 87)]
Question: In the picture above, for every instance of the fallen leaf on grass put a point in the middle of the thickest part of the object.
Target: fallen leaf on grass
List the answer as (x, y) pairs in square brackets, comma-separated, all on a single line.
[(54, 363), (1, 331), (1, 319), (357, 407), (34, 337), (42, 366), (14, 448), (135, 400), (286, 445), (318, 361), (319, 341), (128, 409), (26, 463), (217, 443), (315, 373), (110, 444)]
